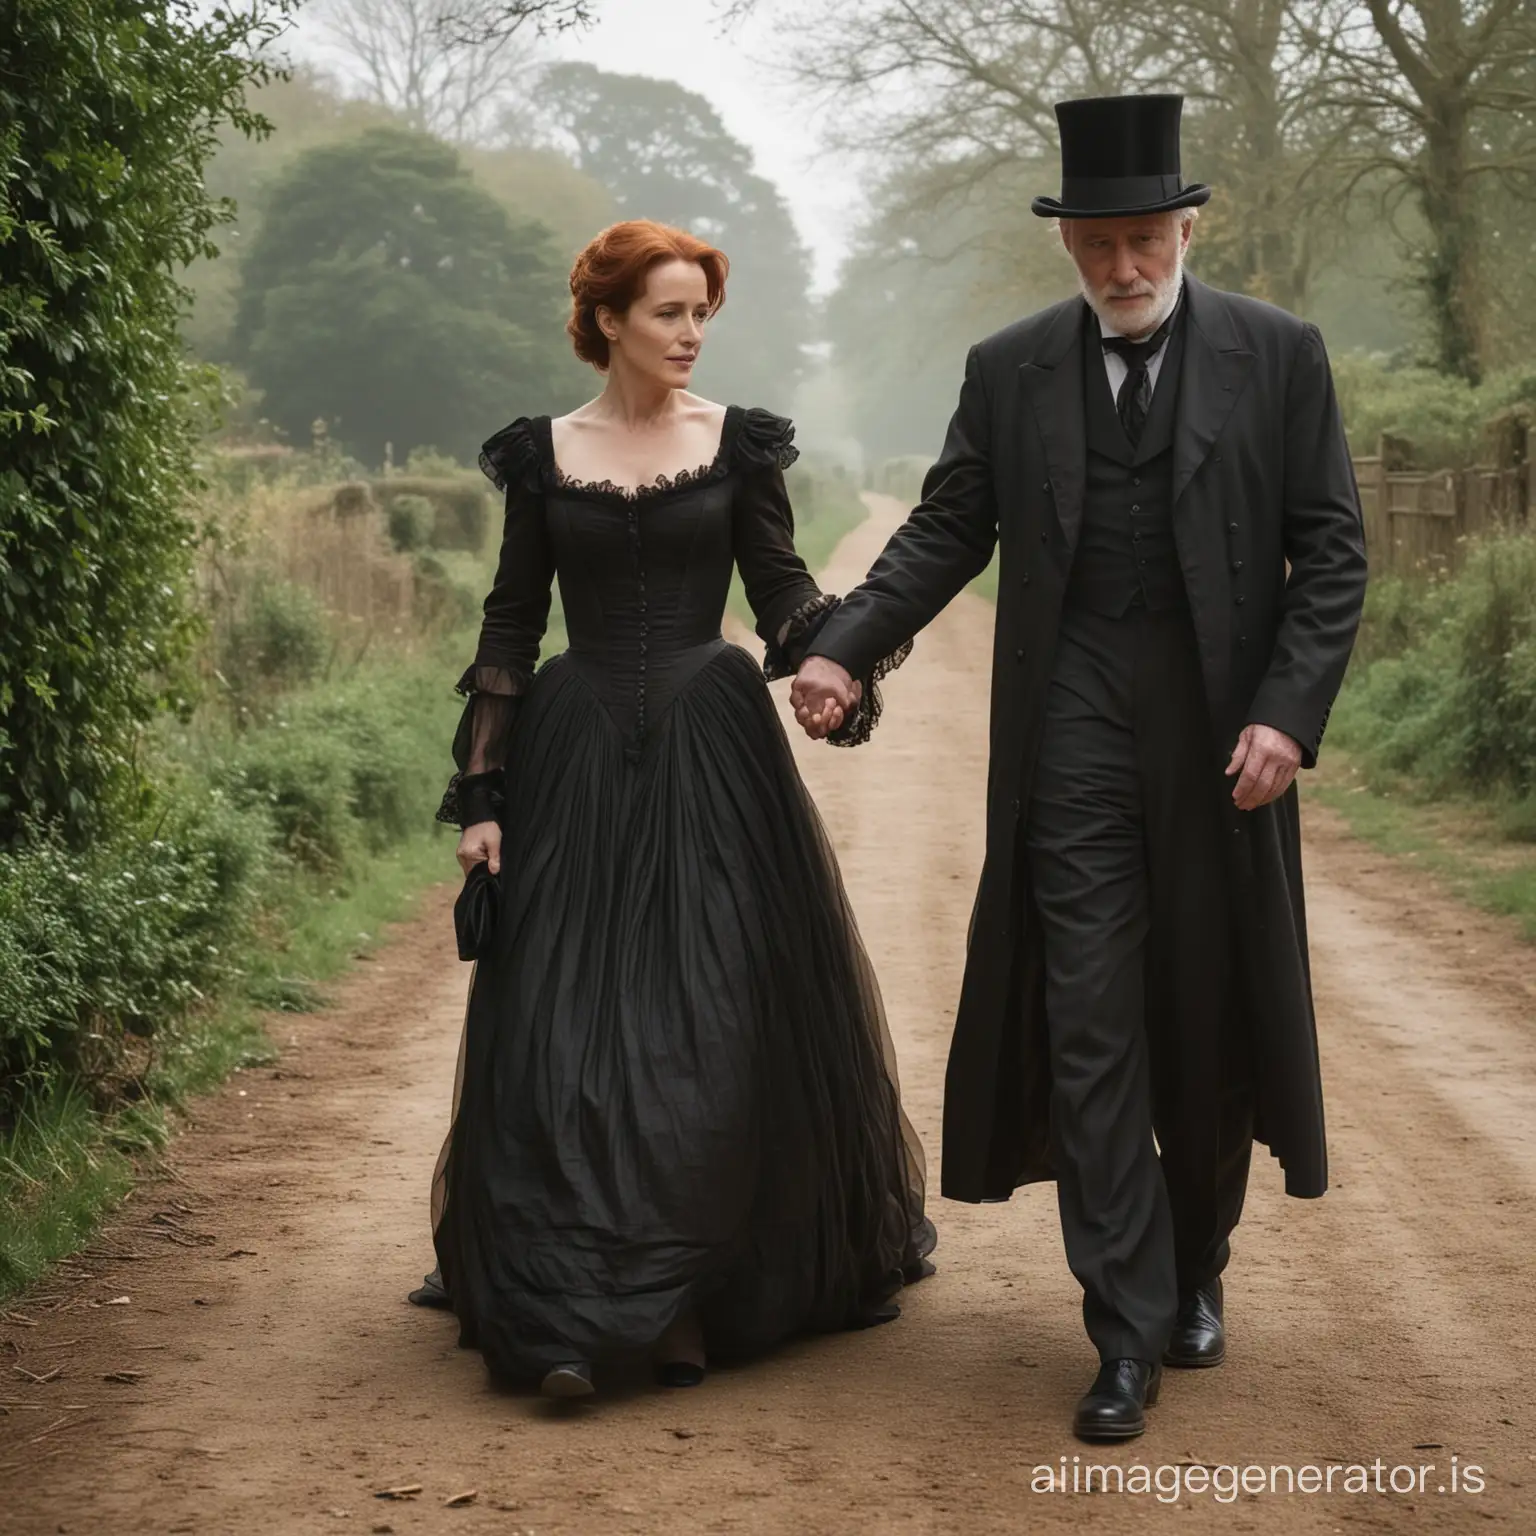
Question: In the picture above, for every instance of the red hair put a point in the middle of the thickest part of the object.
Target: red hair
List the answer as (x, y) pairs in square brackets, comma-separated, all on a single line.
[(612, 270)]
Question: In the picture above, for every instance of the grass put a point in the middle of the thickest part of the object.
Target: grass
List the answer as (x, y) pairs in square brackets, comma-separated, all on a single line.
[(1465, 844)]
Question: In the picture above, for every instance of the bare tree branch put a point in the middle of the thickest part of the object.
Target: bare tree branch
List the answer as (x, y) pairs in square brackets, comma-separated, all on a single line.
[(449, 67)]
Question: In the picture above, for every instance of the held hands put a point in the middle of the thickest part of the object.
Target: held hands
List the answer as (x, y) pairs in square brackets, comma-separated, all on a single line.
[(1268, 761), (481, 841), (823, 695)]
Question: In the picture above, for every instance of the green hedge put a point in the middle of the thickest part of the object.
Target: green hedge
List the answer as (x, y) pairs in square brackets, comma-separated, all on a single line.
[(109, 111), (460, 508), (1443, 686)]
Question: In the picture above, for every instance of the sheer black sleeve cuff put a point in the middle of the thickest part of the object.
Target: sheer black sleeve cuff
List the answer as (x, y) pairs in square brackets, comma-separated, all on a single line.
[(493, 697), (785, 655), (471, 798)]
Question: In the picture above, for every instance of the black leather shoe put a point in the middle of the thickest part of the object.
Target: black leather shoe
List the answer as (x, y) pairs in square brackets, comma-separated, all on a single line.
[(430, 1292), (679, 1373), (1112, 1410), (1199, 1334)]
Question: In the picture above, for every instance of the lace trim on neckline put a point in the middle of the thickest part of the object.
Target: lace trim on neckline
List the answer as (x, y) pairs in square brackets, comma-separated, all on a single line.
[(715, 469)]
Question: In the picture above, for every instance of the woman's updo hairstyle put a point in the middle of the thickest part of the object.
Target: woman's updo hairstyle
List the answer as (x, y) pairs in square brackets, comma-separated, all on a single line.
[(612, 270)]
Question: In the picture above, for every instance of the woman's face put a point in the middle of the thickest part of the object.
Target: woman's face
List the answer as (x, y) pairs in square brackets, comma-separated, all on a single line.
[(660, 334)]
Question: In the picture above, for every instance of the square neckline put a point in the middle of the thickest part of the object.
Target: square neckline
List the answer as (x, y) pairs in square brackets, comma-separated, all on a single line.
[(681, 479)]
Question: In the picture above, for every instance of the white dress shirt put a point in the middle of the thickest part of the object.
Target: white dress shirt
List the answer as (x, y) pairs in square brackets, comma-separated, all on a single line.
[(1117, 367)]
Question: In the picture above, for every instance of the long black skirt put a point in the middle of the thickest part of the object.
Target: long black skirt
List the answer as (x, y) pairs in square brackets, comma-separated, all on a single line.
[(676, 1088)]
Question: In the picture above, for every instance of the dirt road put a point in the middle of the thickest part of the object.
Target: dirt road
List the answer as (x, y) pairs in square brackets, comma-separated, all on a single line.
[(273, 1379)]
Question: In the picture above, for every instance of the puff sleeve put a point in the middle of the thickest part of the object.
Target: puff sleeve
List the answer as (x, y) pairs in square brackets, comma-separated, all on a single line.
[(516, 613)]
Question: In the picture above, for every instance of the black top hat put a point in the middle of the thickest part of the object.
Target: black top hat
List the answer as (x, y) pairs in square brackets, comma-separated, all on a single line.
[(1119, 156)]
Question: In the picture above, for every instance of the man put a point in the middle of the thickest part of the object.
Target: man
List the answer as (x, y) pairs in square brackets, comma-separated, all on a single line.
[(1182, 573)]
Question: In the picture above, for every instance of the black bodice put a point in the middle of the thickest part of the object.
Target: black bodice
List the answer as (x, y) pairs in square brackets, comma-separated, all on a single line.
[(643, 581), (644, 577)]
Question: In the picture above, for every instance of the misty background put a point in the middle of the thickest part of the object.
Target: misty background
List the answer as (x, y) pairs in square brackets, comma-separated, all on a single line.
[(397, 265)]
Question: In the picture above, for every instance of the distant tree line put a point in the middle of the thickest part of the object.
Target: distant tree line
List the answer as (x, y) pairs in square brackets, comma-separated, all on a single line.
[(398, 266), (1419, 114)]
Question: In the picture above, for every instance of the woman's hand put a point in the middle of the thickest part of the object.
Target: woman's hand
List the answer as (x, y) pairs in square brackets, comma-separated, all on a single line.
[(481, 841), (822, 694)]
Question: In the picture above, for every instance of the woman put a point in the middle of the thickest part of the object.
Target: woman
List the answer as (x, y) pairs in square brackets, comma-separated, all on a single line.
[(677, 1127)]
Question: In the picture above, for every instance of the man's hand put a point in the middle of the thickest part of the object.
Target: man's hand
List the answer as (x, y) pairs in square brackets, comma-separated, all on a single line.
[(481, 841), (1266, 762), (822, 694)]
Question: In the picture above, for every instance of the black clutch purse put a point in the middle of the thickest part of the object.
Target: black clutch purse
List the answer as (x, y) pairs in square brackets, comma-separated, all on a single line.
[(474, 913)]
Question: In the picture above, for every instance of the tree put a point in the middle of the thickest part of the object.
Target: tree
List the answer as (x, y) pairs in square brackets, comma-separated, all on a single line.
[(1442, 98), (969, 87), (385, 292), (303, 108), (109, 111), (663, 153), (446, 66)]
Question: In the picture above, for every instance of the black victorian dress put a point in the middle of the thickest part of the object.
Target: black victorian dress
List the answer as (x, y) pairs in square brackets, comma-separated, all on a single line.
[(676, 1088)]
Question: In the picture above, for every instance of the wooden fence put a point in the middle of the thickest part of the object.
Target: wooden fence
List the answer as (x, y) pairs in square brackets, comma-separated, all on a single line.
[(1419, 522)]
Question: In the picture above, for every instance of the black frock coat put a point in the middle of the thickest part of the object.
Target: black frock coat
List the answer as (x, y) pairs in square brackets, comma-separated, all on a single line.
[(1266, 518)]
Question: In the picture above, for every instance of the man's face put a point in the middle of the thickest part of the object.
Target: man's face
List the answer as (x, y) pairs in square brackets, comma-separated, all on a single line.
[(1130, 267)]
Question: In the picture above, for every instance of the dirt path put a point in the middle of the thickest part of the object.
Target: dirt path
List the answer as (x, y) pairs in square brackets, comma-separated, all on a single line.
[(277, 1380)]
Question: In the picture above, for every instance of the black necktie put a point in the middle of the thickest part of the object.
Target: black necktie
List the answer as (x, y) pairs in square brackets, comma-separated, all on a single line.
[(1135, 397)]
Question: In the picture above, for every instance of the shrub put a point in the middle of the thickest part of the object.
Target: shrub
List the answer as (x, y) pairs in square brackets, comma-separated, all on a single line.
[(1445, 688), (302, 782), (460, 507), (116, 939), (389, 750), (445, 602), (411, 520), (279, 640), (1441, 416), (1444, 421)]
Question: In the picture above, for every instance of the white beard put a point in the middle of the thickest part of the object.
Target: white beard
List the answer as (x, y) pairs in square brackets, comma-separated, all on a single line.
[(1139, 320)]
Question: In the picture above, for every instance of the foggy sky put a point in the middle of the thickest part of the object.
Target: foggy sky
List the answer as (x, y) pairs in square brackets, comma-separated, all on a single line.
[(682, 40)]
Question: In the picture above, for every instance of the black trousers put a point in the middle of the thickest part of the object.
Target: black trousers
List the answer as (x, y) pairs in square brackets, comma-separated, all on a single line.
[(1151, 1101)]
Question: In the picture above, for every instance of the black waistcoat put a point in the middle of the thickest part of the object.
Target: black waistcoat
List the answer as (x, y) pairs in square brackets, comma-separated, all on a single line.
[(1125, 550)]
